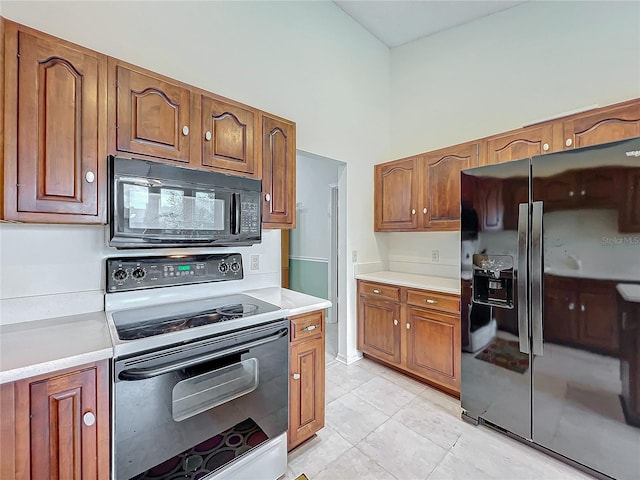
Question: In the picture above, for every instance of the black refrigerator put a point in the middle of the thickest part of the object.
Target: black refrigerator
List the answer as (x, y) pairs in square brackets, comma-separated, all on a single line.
[(550, 282)]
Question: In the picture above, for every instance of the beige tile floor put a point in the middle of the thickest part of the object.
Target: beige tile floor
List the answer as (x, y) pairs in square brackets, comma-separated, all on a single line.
[(383, 425)]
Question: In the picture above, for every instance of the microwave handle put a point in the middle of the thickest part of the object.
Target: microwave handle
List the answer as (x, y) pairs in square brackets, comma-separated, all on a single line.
[(236, 212)]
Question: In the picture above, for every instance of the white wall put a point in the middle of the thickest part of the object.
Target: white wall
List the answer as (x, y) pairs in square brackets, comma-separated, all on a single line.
[(307, 61), (527, 63), (310, 238)]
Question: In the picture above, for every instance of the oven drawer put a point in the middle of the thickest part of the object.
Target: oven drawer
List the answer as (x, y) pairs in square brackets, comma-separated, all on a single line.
[(434, 301), (307, 325)]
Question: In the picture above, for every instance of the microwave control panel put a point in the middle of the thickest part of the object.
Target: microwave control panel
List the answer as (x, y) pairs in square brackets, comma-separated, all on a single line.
[(135, 273)]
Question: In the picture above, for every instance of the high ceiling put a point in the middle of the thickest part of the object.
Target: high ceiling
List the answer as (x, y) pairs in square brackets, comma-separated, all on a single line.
[(395, 23)]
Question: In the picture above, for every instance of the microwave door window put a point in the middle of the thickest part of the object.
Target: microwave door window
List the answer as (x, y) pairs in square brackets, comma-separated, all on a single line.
[(208, 213)]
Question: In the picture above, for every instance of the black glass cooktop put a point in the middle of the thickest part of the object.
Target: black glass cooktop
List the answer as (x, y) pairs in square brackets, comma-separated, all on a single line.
[(142, 323)]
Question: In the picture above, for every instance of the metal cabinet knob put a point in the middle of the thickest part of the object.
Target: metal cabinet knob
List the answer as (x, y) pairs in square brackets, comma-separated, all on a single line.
[(395, 322), (89, 419), (296, 376), (424, 210), (413, 211), (571, 193), (185, 130), (582, 308), (572, 306), (267, 197), (207, 136), (90, 177), (545, 147), (583, 192), (569, 142), (408, 326), (375, 290)]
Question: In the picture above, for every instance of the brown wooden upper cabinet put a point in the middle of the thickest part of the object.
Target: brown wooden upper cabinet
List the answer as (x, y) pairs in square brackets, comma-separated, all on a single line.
[(230, 137), (517, 144), (55, 142), (152, 114), (278, 172), (603, 125), (629, 215), (440, 182), (396, 195)]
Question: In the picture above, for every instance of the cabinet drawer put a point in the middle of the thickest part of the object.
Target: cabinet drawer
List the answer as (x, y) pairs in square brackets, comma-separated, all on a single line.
[(383, 291), (307, 325), (433, 300)]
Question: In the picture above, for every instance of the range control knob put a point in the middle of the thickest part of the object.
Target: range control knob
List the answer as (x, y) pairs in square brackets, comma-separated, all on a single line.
[(223, 268), (120, 274), (235, 267), (138, 273)]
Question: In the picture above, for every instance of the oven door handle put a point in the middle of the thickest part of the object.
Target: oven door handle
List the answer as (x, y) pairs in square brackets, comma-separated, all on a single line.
[(144, 373)]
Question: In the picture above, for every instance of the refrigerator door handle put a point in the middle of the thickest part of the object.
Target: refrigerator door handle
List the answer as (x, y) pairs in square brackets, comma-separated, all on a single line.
[(536, 278), (522, 279)]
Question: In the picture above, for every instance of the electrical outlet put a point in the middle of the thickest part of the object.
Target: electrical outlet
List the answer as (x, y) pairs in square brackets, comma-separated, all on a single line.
[(255, 262), (354, 256), (435, 255)]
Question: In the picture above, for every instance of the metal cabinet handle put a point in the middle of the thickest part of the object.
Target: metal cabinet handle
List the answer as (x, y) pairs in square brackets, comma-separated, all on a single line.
[(568, 142), (375, 290), (395, 322), (296, 376), (582, 308), (185, 130), (207, 136), (413, 211), (572, 306), (424, 210), (310, 328), (408, 326), (89, 419), (545, 147), (90, 177), (432, 302)]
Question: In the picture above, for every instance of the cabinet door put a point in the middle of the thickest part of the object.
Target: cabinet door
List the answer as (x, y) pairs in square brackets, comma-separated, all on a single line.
[(440, 205), (433, 346), (306, 390), (396, 195), (522, 143), (598, 326), (55, 130), (68, 427), (489, 203), (152, 114), (599, 188), (560, 310), (278, 172), (608, 124), (228, 137), (379, 328), (559, 192), (629, 215)]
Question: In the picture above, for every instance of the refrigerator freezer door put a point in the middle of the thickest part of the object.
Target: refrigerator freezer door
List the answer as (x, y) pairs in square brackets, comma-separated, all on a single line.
[(589, 246), (496, 380)]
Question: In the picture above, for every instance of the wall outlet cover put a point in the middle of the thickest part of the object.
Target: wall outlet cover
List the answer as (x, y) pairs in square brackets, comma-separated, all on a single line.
[(255, 262), (435, 255)]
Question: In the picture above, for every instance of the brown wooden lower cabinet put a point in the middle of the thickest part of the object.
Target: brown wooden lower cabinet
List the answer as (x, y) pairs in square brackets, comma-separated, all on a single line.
[(57, 425), (306, 377), (415, 331)]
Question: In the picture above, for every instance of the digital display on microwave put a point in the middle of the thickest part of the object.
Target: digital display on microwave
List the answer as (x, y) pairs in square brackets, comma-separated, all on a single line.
[(184, 268)]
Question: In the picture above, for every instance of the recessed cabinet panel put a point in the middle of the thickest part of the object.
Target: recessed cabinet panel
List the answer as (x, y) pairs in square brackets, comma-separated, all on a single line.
[(152, 115), (396, 195), (379, 327), (228, 137), (55, 159)]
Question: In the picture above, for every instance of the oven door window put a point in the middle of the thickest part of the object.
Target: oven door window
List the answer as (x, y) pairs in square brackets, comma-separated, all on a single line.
[(166, 211)]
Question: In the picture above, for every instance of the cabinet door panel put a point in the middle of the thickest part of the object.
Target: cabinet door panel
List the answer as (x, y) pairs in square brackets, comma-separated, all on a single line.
[(56, 161), (441, 185), (151, 116), (629, 216), (524, 143), (306, 392), (599, 189), (379, 329), (489, 203), (561, 310), (57, 407), (559, 192), (433, 346), (598, 326), (606, 124), (278, 172), (396, 195), (228, 137)]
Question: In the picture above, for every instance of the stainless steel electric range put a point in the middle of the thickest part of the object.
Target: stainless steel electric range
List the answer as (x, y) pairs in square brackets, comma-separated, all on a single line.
[(200, 382)]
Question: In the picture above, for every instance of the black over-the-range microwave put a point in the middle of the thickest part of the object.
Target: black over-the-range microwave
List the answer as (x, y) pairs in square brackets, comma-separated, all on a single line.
[(154, 205)]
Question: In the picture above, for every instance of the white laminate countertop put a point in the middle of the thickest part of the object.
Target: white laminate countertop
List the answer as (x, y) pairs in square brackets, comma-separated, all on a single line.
[(423, 282), (33, 348), (630, 292), (295, 302)]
